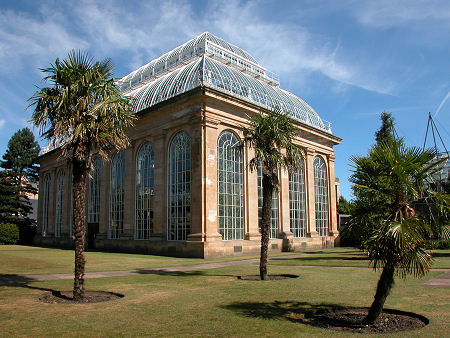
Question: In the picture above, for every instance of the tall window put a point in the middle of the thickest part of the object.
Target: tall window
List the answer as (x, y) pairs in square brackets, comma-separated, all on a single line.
[(321, 192), (116, 196), (45, 204), (297, 204), (144, 192), (274, 219), (59, 201), (179, 188), (94, 192), (230, 187)]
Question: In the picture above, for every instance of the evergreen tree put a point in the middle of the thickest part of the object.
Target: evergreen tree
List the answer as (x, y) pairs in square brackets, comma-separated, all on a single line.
[(9, 199), (344, 207), (387, 129), (17, 181), (20, 157)]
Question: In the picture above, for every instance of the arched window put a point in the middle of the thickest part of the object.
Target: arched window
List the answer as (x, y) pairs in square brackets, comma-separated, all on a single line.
[(321, 192), (94, 192), (179, 188), (60, 178), (116, 196), (297, 203), (144, 192), (45, 204), (230, 187), (274, 219)]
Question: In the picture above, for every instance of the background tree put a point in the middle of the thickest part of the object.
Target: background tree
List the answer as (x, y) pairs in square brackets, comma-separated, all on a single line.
[(21, 173), (21, 155), (344, 207), (271, 134), (83, 111), (387, 184), (387, 129), (9, 199)]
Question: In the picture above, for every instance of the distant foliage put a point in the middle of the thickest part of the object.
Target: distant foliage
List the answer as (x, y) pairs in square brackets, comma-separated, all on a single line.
[(386, 132), (344, 207), (9, 233), (19, 179)]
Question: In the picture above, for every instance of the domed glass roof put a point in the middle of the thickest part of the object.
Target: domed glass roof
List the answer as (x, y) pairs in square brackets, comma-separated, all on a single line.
[(212, 62)]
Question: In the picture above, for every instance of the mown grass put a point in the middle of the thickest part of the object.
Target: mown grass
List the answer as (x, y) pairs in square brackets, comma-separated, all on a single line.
[(354, 258), (210, 302)]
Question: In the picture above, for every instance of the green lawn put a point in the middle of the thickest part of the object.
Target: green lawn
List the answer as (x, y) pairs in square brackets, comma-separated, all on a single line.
[(353, 258), (202, 303)]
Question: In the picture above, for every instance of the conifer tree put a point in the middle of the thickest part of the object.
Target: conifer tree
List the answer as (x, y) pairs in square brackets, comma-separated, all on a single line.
[(17, 181)]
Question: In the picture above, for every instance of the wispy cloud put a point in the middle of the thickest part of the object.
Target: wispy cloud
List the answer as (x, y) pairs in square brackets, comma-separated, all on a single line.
[(284, 47), (2, 122), (444, 100), (388, 13), (24, 38)]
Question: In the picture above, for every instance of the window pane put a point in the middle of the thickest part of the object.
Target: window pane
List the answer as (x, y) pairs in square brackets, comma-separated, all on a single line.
[(116, 196), (321, 196), (144, 192), (179, 189), (297, 203), (59, 202), (230, 187)]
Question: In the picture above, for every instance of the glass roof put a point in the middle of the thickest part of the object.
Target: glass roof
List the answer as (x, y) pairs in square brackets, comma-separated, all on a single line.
[(212, 62)]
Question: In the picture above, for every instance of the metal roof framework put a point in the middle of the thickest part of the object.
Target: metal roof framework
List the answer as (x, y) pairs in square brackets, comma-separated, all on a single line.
[(212, 62)]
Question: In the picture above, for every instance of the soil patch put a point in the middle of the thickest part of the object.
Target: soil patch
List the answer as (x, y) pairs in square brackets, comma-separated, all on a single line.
[(66, 297), (350, 320), (271, 277)]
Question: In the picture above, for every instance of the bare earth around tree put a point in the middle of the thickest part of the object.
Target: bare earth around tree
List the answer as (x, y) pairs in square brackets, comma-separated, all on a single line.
[(270, 277), (350, 320), (66, 297)]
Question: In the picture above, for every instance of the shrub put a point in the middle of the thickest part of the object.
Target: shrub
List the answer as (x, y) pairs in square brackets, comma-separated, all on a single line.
[(439, 244), (9, 233), (27, 231)]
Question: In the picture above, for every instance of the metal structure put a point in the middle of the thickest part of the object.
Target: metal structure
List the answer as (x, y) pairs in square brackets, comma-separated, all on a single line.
[(212, 62)]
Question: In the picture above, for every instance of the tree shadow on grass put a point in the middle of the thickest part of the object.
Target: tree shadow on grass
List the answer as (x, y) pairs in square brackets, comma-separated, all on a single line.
[(170, 273), (182, 273), (20, 281), (300, 312), (329, 316)]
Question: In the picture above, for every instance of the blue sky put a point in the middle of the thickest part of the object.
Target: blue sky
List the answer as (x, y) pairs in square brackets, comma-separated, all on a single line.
[(350, 60)]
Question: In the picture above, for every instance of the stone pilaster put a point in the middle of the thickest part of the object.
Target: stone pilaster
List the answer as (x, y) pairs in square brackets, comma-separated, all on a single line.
[(252, 229), (333, 230), (197, 207), (160, 186), (284, 212), (128, 194), (310, 195)]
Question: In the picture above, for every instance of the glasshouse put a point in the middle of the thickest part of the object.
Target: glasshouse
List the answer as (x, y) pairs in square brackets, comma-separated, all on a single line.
[(183, 187)]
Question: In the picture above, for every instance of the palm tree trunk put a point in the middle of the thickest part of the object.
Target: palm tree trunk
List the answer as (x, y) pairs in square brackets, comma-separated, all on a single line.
[(79, 226), (383, 288), (265, 223)]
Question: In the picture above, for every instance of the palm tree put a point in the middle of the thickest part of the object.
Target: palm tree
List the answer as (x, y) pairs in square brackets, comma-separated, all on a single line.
[(82, 111), (271, 134), (387, 185)]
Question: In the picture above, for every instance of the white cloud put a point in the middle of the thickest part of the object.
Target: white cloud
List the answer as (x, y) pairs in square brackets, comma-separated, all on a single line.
[(25, 39), (388, 13), (156, 27), (2, 122), (289, 48)]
